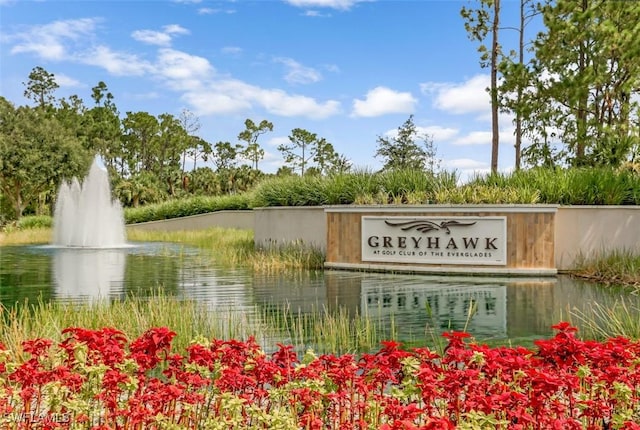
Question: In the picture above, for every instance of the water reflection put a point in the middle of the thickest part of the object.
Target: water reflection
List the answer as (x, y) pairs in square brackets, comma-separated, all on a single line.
[(481, 309), (218, 288), (88, 274), (509, 308)]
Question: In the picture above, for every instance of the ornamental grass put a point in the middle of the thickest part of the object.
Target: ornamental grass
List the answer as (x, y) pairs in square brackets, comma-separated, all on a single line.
[(99, 380)]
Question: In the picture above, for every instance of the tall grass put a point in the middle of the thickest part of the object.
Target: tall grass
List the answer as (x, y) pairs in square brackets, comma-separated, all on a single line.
[(133, 316), (290, 191), (576, 186), (335, 331), (185, 207), (14, 236), (233, 247), (320, 329), (487, 194), (603, 321), (397, 186), (620, 267)]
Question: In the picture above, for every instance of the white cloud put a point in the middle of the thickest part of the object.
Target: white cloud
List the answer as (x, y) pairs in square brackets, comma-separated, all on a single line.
[(193, 77), (298, 73), (280, 103), (333, 4), (333, 68), (316, 14), (152, 95), (179, 66), (159, 38), (232, 96), (67, 81), (437, 132), (215, 103), (48, 41), (152, 37), (484, 137), (116, 63), (277, 141), (212, 11), (474, 138), (466, 164), (470, 96), (382, 101), (175, 29)]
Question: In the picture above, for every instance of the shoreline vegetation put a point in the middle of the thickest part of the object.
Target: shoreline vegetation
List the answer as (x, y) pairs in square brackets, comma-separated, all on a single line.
[(334, 330), (235, 248), (323, 330)]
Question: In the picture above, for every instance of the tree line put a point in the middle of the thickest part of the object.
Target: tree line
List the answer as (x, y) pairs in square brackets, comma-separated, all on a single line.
[(573, 88), (149, 158)]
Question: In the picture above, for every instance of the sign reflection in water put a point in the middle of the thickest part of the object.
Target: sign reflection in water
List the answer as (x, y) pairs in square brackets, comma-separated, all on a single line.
[(531, 305), (88, 274), (447, 308)]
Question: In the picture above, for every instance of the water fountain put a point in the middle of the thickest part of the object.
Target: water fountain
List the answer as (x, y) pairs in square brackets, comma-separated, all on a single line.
[(86, 216), (88, 238)]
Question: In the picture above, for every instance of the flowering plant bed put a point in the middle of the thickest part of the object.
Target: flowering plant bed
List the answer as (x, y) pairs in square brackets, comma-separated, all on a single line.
[(97, 379)]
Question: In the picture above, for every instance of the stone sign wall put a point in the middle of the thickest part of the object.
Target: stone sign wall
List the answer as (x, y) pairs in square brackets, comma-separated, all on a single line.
[(470, 240), (490, 239)]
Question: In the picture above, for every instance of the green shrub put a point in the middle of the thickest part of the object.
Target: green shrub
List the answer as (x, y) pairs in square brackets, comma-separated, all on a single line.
[(575, 186), (186, 207), (34, 221), (399, 186), (487, 194), (291, 191)]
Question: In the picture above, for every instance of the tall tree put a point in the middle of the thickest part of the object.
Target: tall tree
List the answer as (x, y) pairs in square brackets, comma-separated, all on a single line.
[(301, 150), (41, 87), (402, 151), (325, 156), (253, 152), (478, 23), (72, 114), (191, 125), (199, 149), (588, 79), (167, 150), (514, 73), (26, 134), (225, 155), (105, 132), (140, 129)]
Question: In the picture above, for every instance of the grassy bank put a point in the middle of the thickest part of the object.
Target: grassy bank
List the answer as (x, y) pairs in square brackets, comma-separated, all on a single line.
[(617, 268), (230, 247), (25, 236), (325, 331), (234, 247)]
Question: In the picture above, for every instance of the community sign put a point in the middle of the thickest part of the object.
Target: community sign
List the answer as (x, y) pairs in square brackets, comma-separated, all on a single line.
[(464, 240)]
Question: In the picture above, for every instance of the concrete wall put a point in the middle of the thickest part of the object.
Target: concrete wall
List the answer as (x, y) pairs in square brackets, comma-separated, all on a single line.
[(527, 243), (589, 230), (224, 219), (579, 230), (277, 226)]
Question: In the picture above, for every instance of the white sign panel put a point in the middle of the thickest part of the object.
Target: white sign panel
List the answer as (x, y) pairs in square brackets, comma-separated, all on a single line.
[(469, 240)]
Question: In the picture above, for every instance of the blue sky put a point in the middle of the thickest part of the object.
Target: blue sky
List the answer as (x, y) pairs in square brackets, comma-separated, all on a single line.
[(347, 70)]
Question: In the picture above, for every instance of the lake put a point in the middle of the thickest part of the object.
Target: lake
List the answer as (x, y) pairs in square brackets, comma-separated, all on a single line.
[(507, 309)]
